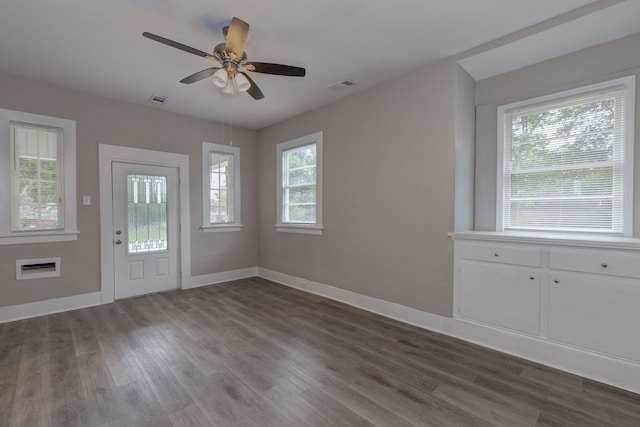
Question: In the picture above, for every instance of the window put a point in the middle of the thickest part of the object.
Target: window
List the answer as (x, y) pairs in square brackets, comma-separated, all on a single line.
[(38, 155), (300, 189), (221, 187), (36, 178), (567, 161)]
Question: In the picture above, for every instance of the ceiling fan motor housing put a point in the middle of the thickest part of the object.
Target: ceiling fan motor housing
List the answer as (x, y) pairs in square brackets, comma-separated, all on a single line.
[(231, 67)]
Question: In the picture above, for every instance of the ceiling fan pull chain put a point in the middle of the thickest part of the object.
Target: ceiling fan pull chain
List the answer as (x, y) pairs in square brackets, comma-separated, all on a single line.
[(231, 122), (220, 106)]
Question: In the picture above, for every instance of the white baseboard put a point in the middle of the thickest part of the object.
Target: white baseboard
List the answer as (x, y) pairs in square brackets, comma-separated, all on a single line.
[(610, 370), (40, 308), (57, 305), (224, 276)]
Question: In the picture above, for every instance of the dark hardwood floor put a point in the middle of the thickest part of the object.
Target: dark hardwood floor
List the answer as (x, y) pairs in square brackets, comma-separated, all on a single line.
[(255, 353)]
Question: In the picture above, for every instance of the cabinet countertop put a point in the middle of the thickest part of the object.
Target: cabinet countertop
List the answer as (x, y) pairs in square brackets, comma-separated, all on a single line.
[(594, 241)]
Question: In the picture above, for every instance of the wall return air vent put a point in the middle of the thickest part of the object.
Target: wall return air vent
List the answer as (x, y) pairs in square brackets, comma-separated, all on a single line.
[(37, 268)]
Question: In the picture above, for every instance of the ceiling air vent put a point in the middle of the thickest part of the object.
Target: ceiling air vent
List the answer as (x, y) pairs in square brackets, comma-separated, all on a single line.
[(158, 99), (341, 85)]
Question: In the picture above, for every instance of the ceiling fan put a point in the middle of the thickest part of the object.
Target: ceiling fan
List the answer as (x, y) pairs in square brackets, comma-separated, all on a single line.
[(231, 75)]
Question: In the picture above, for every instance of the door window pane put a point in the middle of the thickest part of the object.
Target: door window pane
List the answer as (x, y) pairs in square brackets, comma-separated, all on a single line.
[(146, 213)]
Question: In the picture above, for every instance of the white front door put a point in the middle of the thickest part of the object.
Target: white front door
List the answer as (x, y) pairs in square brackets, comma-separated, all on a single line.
[(145, 229)]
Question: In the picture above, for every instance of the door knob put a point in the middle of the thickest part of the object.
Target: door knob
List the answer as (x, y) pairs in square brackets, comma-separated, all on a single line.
[(118, 232), (118, 242)]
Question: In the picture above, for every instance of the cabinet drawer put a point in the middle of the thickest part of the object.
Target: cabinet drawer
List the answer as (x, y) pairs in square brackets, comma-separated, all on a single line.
[(600, 262), (501, 295), (595, 312), (500, 253)]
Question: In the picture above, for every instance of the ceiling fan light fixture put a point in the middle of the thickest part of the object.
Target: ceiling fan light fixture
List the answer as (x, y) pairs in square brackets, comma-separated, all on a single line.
[(229, 88), (242, 83), (220, 78)]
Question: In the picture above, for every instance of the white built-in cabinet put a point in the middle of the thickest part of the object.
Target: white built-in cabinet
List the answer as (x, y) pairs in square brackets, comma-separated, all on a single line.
[(580, 293), (500, 286)]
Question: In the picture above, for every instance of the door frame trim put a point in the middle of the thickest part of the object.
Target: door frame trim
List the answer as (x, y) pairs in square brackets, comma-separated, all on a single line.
[(115, 153)]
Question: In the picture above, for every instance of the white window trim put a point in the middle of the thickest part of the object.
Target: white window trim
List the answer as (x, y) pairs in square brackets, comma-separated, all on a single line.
[(70, 231), (292, 227), (629, 120), (220, 228), (236, 225)]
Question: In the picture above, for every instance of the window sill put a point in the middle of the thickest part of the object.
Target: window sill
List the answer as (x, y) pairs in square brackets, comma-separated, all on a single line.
[(38, 237), (221, 228), (596, 241), (299, 228)]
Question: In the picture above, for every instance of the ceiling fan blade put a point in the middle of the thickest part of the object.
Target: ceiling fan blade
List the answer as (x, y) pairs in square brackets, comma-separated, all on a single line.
[(177, 45), (254, 90), (277, 69), (237, 36), (196, 77)]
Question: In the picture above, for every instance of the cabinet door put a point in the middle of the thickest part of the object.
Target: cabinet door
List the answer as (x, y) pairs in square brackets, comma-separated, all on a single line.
[(600, 313), (502, 295)]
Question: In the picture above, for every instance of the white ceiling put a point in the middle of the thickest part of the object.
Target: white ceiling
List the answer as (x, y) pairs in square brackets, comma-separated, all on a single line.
[(97, 45), (590, 29)]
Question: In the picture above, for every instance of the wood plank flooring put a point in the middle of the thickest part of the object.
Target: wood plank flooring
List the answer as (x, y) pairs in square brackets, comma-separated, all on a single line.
[(254, 353)]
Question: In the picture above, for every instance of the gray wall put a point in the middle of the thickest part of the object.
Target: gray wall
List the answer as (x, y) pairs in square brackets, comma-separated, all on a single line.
[(389, 158), (603, 62), (465, 151), (102, 120)]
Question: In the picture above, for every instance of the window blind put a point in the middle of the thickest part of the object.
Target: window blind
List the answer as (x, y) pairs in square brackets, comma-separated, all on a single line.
[(564, 164), (36, 178)]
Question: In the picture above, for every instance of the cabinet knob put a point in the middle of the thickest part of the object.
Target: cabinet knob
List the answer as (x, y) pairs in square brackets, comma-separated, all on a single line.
[(531, 277), (556, 281), (604, 265), (496, 254)]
